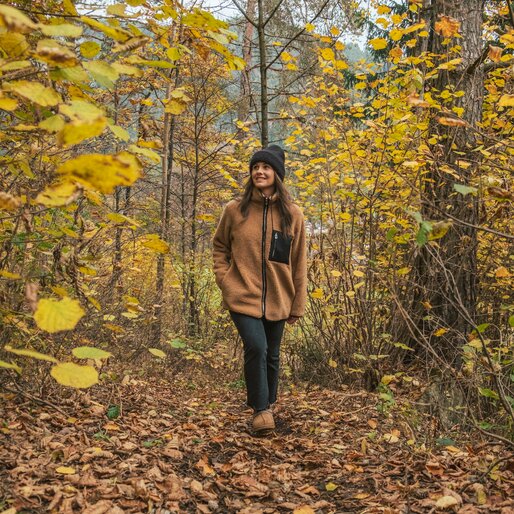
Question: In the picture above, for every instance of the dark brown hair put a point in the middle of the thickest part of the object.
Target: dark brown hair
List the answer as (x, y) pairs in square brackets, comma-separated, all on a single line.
[(284, 202)]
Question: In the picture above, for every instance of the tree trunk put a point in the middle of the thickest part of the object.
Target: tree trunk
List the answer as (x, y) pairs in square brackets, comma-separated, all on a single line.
[(264, 74), (446, 268), (246, 86), (167, 169)]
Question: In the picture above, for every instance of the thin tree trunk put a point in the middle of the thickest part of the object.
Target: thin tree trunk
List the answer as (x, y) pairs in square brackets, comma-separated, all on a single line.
[(246, 87), (167, 169), (264, 75)]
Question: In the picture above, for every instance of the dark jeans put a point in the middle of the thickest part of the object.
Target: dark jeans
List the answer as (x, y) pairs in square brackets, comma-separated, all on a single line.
[(261, 340)]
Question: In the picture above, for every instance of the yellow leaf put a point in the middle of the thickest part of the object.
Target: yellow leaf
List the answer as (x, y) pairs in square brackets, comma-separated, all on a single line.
[(286, 56), (10, 365), (8, 202), (317, 293), (345, 217), (15, 20), (121, 218), (89, 49), (14, 45), (378, 43), (335, 273), (35, 92), (330, 486), (502, 272), (64, 470), (383, 9), (332, 363), (57, 315), (10, 276), (58, 195), (396, 34), (113, 32), (63, 29), (51, 52), (447, 26), (53, 123), (145, 152), (119, 132), (396, 53), (8, 104), (102, 172), (440, 331), (175, 106), (174, 54), (116, 10), (74, 375), (30, 353), (157, 352), (309, 27), (76, 131), (154, 242), (69, 7), (327, 54), (89, 352), (506, 101), (358, 273), (102, 72)]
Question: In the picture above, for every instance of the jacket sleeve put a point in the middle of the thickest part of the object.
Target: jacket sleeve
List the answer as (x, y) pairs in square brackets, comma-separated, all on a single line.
[(221, 250), (299, 270)]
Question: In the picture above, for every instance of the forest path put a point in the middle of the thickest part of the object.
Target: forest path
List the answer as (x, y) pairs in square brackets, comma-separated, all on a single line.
[(178, 449)]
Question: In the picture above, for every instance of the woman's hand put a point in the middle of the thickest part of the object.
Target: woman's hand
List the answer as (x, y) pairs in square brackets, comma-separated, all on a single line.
[(292, 319)]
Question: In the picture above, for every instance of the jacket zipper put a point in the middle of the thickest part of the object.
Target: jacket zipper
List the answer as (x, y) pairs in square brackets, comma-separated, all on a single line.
[(264, 220)]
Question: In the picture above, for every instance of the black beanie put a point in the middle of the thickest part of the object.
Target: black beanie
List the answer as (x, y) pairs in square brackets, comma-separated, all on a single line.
[(272, 155)]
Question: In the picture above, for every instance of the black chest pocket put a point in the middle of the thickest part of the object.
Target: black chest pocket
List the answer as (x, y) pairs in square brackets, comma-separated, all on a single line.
[(280, 247)]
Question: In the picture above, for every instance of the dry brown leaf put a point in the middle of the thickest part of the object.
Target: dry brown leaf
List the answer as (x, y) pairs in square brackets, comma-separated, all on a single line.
[(304, 509), (446, 502)]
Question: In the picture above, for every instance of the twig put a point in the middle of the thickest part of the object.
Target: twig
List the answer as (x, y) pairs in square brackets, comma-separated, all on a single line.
[(486, 472), (35, 399)]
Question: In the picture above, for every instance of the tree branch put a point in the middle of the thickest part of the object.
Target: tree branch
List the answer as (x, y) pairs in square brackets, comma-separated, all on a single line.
[(243, 12), (297, 35)]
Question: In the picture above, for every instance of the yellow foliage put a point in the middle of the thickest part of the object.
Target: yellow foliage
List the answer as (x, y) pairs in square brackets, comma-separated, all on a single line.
[(74, 375), (58, 315), (102, 172)]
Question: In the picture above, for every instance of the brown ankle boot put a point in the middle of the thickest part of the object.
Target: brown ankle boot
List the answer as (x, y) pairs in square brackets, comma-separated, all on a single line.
[(263, 420)]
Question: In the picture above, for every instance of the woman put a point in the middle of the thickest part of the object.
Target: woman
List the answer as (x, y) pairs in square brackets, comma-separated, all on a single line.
[(260, 266)]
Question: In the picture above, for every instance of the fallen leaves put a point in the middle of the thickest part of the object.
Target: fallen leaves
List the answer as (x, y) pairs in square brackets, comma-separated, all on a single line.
[(322, 459)]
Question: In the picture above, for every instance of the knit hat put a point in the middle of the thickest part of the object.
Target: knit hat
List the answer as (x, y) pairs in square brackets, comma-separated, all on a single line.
[(272, 155)]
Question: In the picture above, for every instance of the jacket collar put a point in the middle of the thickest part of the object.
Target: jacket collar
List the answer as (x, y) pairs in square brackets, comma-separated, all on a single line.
[(258, 197)]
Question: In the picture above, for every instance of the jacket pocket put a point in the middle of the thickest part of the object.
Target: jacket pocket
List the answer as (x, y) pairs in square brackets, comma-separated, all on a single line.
[(280, 247)]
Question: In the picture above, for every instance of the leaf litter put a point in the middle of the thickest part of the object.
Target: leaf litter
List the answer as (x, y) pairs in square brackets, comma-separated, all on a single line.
[(177, 449)]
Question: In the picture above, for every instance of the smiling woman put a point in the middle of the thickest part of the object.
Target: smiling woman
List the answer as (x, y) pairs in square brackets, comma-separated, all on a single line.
[(262, 274)]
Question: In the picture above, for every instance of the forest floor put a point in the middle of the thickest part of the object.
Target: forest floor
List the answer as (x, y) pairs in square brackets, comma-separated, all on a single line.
[(183, 445)]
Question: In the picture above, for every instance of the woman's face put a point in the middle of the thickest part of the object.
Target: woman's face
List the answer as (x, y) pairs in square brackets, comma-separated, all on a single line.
[(263, 176)]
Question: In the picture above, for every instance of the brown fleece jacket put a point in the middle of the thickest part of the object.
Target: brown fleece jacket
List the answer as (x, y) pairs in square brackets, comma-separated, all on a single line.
[(250, 282)]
